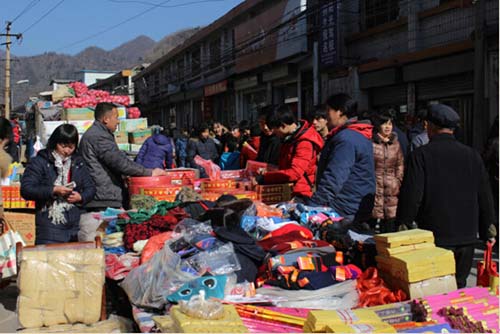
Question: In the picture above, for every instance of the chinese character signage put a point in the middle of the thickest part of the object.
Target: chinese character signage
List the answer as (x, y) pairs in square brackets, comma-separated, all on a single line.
[(328, 48)]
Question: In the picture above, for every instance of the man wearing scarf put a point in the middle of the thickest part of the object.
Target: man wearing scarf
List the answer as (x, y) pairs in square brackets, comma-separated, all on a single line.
[(346, 177)]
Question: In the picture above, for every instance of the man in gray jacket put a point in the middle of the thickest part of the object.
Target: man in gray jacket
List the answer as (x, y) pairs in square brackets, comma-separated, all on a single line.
[(107, 164)]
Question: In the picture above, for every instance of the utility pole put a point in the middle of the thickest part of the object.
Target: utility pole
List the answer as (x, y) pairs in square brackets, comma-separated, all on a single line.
[(7, 67)]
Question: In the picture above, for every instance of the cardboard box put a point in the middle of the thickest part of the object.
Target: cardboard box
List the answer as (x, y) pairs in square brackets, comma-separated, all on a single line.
[(135, 147), (224, 185), (181, 176), (162, 193), (284, 188), (121, 137), (124, 147), (78, 114), (428, 287), (130, 125), (403, 238), (24, 223), (50, 126), (139, 136), (82, 126), (122, 113)]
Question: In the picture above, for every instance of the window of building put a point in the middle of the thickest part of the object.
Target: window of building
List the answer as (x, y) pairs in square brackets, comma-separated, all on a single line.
[(215, 53), (180, 69), (195, 62), (377, 12)]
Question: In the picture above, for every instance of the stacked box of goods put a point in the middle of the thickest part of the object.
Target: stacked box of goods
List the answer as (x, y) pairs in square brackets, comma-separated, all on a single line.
[(82, 126), (124, 147), (139, 136), (274, 193), (122, 112), (24, 223), (182, 176), (210, 196), (216, 185), (78, 114), (121, 137), (410, 261), (135, 147), (345, 321), (232, 174), (165, 193), (130, 125)]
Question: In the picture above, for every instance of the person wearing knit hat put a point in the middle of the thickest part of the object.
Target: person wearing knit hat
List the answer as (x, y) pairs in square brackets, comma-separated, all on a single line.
[(446, 190)]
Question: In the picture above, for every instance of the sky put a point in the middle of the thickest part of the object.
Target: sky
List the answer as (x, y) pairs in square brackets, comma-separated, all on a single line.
[(70, 26)]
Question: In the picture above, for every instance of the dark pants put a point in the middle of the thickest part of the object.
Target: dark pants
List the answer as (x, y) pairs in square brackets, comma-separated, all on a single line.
[(464, 256)]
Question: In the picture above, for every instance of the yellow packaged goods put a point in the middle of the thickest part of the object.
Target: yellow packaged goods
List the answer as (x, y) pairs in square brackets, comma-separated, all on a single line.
[(67, 288), (115, 324), (164, 323), (403, 238), (380, 327), (230, 323), (418, 265), (24, 223), (382, 250), (428, 287), (320, 320)]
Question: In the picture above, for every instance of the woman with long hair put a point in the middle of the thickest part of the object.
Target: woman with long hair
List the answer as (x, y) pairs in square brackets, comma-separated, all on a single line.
[(58, 181)]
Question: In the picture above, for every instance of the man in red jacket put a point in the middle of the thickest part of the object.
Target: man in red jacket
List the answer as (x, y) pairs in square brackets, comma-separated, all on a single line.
[(301, 144)]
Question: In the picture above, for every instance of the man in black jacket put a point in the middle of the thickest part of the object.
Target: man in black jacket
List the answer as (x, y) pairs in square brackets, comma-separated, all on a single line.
[(204, 146), (445, 189), (106, 163), (270, 144)]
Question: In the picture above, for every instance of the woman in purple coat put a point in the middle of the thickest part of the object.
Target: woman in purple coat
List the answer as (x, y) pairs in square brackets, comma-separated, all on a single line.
[(156, 152)]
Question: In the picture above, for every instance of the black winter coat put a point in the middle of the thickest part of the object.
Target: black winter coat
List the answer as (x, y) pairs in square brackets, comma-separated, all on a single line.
[(37, 185), (269, 149), (445, 190), (205, 148)]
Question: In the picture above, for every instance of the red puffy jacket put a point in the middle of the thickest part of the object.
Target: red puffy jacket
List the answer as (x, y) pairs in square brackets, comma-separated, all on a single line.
[(298, 161), (16, 131)]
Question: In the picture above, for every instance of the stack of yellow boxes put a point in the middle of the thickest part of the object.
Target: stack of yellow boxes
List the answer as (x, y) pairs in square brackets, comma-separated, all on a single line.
[(345, 321), (410, 261), (183, 323), (12, 199)]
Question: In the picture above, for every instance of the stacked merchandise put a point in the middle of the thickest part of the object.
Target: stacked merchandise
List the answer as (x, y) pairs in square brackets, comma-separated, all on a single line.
[(346, 321), (133, 132), (12, 198), (163, 188), (470, 310), (410, 261), (68, 288)]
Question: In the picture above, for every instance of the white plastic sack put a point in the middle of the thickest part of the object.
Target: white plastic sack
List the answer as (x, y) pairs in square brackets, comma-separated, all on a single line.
[(88, 227)]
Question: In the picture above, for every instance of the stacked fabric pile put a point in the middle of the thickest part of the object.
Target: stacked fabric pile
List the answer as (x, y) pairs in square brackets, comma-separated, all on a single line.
[(346, 321), (410, 261), (471, 310)]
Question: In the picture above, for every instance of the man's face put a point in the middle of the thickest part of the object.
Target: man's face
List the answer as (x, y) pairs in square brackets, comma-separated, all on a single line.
[(110, 120), (264, 128), (335, 118), (320, 124), (218, 129), (283, 130), (205, 134)]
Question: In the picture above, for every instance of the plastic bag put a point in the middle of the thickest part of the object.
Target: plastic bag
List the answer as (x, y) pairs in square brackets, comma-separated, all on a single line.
[(211, 169), (8, 242), (88, 227), (153, 245), (219, 261), (147, 284), (198, 307)]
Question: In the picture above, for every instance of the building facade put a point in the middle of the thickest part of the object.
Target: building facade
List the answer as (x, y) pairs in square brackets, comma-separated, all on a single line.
[(120, 83), (385, 53)]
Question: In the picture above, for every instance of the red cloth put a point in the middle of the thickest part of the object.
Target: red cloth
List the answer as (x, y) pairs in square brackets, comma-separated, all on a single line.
[(249, 150), (298, 158), (363, 128), (16, 131), (143, 231), (287, 233), (117, 267)]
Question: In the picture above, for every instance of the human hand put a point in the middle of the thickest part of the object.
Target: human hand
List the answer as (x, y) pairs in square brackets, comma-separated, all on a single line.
[(61, 191), (158, 172), (74, 197)]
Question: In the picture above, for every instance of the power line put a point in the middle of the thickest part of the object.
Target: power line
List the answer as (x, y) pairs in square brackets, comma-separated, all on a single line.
[(43, 16), (162, 6), (26, 9)]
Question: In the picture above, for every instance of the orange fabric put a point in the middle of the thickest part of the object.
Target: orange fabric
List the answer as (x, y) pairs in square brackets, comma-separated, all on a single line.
[(153, 245), (373, 291)]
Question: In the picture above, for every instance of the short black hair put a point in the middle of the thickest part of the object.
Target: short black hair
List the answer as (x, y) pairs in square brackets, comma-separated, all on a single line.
[(421, 114), (5, 129), (320, 112), (383, 116), (255, 130), (280, 115), (63, 134), (264, 111), (343, 103), (202, 128), (244, 125), (102, 108)]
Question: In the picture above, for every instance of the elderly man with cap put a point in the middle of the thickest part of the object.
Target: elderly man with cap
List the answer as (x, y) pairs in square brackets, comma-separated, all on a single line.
[(445, 190)]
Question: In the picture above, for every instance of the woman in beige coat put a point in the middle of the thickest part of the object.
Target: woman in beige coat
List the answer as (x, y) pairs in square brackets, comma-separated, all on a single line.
[(389, 168), (5, 160)]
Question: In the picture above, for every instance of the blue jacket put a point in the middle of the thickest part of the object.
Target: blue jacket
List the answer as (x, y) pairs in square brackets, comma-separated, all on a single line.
[(346, 172), (181, 144), (156, 152), (37, 184)]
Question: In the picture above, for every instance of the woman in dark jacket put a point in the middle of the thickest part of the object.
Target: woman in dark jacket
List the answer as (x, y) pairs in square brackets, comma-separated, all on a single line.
[(156, 152), (58, 181), (389, 170)]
